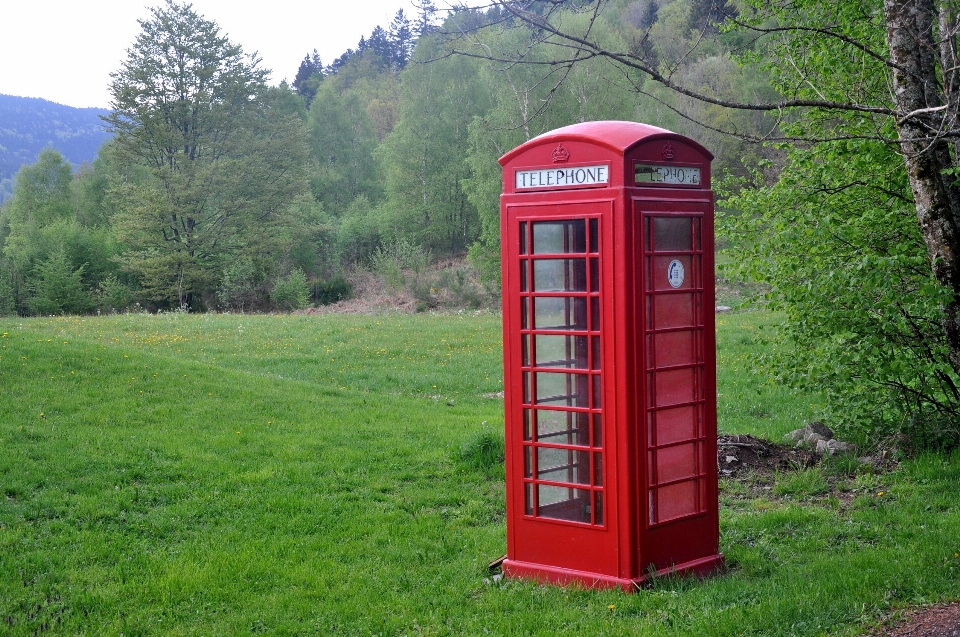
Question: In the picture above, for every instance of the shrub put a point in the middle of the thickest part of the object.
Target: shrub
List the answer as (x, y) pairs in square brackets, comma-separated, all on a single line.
[(238, 288), (292, 292), (57, 288), (331, 290), (113, 295)]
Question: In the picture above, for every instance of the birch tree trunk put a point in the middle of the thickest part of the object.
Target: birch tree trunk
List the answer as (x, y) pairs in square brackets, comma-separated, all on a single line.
[(914, 49)]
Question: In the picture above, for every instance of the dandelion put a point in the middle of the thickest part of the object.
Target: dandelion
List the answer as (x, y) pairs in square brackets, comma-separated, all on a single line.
[(42, 415), (879, 493), (611, 607)]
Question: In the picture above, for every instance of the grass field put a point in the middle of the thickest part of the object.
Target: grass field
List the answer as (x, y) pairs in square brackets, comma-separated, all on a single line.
[(300, 475)]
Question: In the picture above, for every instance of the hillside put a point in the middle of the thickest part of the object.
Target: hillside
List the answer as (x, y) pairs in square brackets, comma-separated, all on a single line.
[(28, 124)]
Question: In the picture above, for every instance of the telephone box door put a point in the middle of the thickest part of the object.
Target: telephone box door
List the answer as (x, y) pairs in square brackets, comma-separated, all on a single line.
[(555, 282)]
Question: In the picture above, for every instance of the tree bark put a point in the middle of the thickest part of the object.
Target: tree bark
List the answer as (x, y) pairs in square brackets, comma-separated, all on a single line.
[(912, 45)]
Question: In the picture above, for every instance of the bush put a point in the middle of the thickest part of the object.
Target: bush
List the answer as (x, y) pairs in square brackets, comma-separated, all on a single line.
[(292, 292), (113, 295), (238, 288), (330, 291), (391, 260), (57, 288), (848, 271)]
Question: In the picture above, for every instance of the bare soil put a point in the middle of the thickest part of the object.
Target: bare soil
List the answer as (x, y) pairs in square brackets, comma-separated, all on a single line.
[(934, 621), (743, 455)]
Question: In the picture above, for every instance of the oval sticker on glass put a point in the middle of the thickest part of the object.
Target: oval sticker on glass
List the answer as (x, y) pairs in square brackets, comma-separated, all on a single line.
[(675, 273)]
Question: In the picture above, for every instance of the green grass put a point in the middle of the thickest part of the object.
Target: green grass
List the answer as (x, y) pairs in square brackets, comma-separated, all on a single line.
[(328, 475), (748, 399)]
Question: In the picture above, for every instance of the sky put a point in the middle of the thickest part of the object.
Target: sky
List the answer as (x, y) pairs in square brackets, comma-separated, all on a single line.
[(64, 50)]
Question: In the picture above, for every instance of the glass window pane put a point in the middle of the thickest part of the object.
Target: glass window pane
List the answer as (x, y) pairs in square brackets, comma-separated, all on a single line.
[(672, 233), (560, 313), (524, 313), (594, 275), (594, 236), (595, 314), (562, 390), (563, 503), (528, 462), (598, 498), (563, 465), (597, 430), (596, 352), (523, 237), (559, 237), (596, 391), (561, 351), (526, 349), (598, 469), (563, 427), (527, 424), (528, 492), (560, 275), (523, 275)]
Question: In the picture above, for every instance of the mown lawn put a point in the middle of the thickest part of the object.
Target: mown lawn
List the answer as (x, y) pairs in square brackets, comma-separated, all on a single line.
[(294, 475)]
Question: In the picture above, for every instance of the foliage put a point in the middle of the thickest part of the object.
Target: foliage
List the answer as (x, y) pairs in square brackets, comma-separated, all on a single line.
[(227, 157), (392, 260), (240, 285), (291, 292), (113, 295), (847, 265), (837, 239), (331, 291), (342, 140), (57, 288)]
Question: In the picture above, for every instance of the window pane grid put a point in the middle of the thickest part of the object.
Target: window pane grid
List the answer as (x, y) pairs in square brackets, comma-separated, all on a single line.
[(560, 336), (673, 339)]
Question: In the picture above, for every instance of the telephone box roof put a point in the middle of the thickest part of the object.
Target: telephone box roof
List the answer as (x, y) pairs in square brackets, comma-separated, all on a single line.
[(618, 136)]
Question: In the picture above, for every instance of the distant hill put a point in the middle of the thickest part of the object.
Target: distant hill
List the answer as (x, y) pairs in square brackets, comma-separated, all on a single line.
[(28, 124)]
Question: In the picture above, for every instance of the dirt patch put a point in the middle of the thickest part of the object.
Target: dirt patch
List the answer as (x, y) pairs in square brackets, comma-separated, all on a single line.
[(744, 455), (935, 621)]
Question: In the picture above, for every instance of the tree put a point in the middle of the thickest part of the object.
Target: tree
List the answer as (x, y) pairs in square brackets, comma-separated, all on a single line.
[(402, 39), (226, 156), (342, 140), (424, 158), (847, 73), (309, 76), (56, 287)]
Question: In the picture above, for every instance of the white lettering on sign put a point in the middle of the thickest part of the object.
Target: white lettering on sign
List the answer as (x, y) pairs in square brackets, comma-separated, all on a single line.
[(563, 177)]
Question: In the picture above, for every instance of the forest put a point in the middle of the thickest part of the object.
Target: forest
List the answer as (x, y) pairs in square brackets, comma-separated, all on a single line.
[(834, 127), (384, 156)]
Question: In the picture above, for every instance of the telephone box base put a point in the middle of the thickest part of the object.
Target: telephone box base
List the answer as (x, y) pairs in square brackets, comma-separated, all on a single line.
[(702, 567)]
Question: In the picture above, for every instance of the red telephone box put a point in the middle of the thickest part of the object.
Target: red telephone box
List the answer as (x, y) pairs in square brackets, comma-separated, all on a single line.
[(609, 356)]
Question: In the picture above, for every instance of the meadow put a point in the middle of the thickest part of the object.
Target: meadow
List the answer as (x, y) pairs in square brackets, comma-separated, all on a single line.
[(182, 474)]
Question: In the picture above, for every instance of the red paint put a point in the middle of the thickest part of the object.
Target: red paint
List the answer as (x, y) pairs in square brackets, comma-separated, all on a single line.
[(610, 360)]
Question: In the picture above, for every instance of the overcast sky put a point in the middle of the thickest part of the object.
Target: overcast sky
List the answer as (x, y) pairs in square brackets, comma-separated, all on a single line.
[(65, 50)]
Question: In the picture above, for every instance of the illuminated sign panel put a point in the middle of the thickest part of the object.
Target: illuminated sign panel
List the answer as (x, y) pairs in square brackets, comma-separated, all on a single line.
[(654, 174)]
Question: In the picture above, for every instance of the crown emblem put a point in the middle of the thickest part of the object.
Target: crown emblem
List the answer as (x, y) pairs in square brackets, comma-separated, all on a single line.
[(667, 152), (560, 154)]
